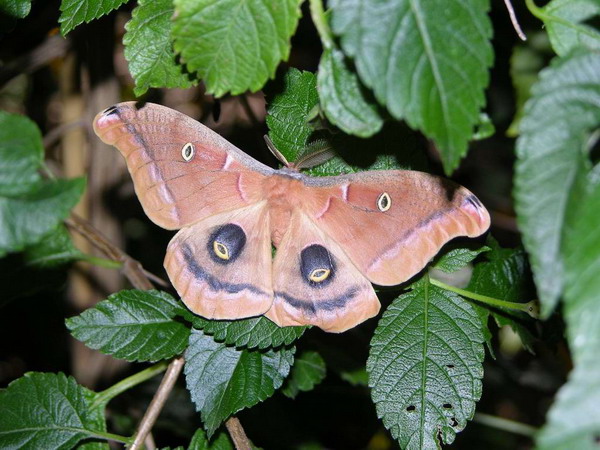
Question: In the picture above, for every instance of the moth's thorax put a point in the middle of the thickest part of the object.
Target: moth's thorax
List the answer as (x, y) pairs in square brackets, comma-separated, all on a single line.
[(283, 194)]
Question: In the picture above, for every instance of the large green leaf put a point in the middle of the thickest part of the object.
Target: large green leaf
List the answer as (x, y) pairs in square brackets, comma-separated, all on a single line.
[(234, 45), (289, 111), (566, 20), (133, 325), (223, 380), (308, 371), (26, 218), (75, 12), (255, 332), (426, 61), (562, 111), (21, 154), (425, 366), (46, 410), (344, 101), (148, 47)]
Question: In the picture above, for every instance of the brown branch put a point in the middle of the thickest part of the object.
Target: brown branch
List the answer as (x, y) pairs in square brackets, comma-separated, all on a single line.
[(135, 273)]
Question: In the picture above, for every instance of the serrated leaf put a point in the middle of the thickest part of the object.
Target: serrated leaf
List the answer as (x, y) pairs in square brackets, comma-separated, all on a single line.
[(220, 442), (76, 12), (148, 47), (46, 410), (133, 325), (290, 110), (427, 62), (573, 421), (26, 218), (505, 276), (21, 154), (54, 249), (234, 45), (566, 20), (343, 100), (223, 380), (458, 257), (558, 117), (255, 332), (425, 366), (308, 371)]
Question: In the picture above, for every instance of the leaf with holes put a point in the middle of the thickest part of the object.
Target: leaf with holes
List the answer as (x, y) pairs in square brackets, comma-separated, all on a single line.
[(148, 47), (234, 46), (308, 371), (290, 110), (133, 325), (425, 366), (76, 12), (46, 410), (557, 122), (223, 380), (255, 332), (26, 218), (21, 154), (566, 20), (427, 62), (344, 101)]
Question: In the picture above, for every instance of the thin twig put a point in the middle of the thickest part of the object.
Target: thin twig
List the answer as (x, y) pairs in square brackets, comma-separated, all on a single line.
[(135, 273), (514, 21), (237, 433)]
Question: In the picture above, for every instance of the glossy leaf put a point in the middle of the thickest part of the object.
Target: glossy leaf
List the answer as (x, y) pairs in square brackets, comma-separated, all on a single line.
[(200, 441), (133, 325), (76, 12), (426, 62), (559, 116), (26, 218), (425, 366), (21, 154), (234, 46), (308, 371), (46, 410), (223, 380), (344, 101), (148, 47)]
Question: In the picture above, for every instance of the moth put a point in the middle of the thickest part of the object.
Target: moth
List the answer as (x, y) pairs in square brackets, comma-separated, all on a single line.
[(334, 236)]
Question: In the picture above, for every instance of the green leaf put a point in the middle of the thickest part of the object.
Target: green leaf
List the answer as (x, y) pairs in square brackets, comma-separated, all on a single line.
[(148, 48), (54, 249), (289, 111), (46, 410), (505, 275), (133, 325), (223, 380), (573, 420), (308, 371), (26, 218), (343, 100), (10, 11), (220, 442), (75, 12), (458, 257), (255, 332), (558, 118), (426, 62), (234, 45), (425, 366), (566, 20), (21, 154)]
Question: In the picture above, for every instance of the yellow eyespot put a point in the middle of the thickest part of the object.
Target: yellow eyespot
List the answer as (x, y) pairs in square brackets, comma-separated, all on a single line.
[(319, 275), (187, 152), (384, 202), (221, 250)]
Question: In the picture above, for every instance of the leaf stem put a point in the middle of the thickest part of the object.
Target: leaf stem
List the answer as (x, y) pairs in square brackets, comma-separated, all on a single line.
[(129, 382), (109, 436), (102, 262), (529, 307), (317, 14), (505, 424)]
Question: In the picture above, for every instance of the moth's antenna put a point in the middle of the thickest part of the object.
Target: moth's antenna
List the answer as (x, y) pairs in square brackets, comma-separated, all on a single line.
[(276, 153), (315, 153)]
